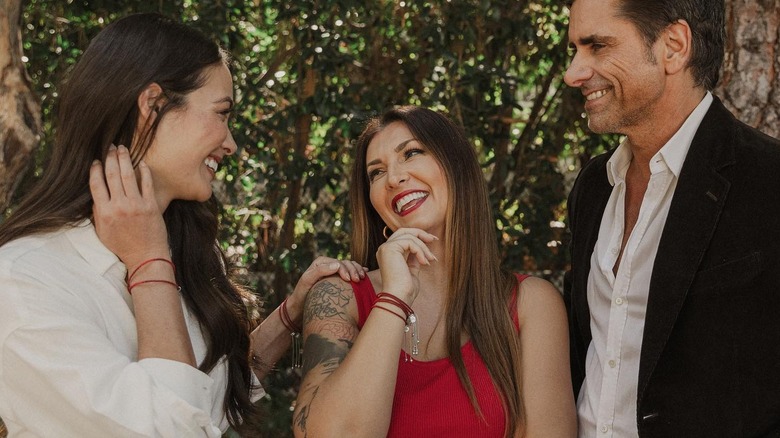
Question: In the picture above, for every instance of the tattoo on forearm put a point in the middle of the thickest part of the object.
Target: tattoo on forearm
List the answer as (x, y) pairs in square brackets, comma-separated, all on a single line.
[(326, 300)]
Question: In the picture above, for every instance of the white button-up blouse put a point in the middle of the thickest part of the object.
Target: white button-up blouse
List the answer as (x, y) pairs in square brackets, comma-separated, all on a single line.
[(68, 350)]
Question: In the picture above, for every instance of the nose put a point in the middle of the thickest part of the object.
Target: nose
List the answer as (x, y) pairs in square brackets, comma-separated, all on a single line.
[(578, 72), (229, 145), (396, 176)]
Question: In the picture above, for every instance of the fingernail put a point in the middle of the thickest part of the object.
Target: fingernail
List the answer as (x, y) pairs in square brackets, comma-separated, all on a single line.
[(112, 147), (95, 162), (333, 265), (142, 163)]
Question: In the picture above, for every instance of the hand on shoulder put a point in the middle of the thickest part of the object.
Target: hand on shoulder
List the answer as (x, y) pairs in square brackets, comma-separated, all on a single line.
[(320, 269), (331, 299)]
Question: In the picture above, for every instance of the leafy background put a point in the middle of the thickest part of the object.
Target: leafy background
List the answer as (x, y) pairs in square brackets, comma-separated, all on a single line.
[(307, 75)]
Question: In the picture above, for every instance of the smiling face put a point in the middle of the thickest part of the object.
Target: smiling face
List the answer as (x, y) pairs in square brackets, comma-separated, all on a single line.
[(191, 141), (617, 73), (408, 187)]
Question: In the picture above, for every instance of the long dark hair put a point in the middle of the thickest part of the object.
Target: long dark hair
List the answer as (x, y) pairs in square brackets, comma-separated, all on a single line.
[(479, 288), (97, 108)]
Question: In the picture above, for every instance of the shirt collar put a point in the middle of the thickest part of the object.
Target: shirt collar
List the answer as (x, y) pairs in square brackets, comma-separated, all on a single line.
[(671, 155), (617, 166), (84, 239), (676, 149)]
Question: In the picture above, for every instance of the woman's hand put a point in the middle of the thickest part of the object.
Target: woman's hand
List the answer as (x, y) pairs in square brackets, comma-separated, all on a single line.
[(400, 259), (127, 218), (320, 268)]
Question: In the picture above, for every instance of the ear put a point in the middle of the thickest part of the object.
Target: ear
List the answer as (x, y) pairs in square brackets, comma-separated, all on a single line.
[(678, 43), (149, 101)]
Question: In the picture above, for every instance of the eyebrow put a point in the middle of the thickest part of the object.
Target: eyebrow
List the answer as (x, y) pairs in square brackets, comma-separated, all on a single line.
[(228, 100), (398, 148), (593, 38)]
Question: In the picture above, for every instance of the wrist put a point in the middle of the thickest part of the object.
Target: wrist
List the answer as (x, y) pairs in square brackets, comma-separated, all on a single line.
[(406, 297), (294, 306), (291, 323), (132, 263)]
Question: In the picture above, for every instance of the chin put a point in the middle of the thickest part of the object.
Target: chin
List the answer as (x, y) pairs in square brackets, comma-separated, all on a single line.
[(202, 196), (600, 126)]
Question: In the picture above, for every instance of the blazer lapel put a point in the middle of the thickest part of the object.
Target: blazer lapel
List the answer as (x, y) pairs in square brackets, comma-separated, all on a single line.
[(693, 216), (596, 191)]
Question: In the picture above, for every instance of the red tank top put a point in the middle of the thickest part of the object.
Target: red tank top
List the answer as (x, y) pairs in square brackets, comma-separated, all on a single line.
[(429, 399)]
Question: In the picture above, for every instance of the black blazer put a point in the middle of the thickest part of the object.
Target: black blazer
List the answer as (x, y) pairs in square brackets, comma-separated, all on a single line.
[(710, 358)]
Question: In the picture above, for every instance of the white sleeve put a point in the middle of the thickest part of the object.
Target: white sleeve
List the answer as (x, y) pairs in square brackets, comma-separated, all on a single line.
[(61, 374)]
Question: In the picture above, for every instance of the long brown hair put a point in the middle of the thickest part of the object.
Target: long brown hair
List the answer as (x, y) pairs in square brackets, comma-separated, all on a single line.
[(479, 289), (97, 108)]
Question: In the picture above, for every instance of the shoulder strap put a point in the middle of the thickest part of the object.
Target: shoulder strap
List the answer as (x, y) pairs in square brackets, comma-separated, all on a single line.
[(364, 298)]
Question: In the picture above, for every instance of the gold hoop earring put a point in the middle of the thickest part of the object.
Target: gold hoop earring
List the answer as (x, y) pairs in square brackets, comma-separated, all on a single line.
[(384, 233)]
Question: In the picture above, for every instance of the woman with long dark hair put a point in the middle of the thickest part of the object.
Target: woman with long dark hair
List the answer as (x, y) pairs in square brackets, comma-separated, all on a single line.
[(119, 317), (438, 340)]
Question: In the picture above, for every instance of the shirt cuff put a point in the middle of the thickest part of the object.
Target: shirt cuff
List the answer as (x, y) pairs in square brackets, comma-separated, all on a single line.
[(188, 382)]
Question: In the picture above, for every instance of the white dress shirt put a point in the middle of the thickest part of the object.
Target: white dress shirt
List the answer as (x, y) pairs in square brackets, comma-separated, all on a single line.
[(68, 350), (606, 405)]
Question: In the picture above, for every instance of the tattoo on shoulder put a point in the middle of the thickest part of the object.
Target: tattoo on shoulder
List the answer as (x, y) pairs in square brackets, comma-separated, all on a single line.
[(326, 300)]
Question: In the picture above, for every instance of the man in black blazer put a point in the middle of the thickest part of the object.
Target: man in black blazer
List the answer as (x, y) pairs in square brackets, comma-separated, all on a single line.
[(674, 291)]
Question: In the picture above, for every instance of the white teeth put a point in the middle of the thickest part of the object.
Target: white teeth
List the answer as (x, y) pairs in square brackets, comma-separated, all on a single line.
[(211, 163), (595, 95), (407, 199)]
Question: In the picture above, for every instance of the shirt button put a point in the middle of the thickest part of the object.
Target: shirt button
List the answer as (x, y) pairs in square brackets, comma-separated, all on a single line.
[(604, 428), (618, 301), (612, 364), (615, 250)]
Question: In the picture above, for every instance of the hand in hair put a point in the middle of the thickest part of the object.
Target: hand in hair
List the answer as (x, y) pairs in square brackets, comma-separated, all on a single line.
[(126, 216), (399, 261)]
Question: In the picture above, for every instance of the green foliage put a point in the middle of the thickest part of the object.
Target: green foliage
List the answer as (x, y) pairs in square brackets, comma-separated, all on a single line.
[(307, 75)]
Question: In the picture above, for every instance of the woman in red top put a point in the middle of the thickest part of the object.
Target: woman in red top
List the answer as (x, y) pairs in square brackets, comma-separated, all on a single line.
[(453, 345)]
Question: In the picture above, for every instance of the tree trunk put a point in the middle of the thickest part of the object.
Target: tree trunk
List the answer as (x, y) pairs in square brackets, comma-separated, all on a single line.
[(20, 113), (750, 78)]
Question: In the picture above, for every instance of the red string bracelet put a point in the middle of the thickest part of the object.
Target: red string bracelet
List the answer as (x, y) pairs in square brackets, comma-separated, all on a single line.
[(411, 318), (138, 283), (286, 320), (146, 262), (377, 306), (384, 297)]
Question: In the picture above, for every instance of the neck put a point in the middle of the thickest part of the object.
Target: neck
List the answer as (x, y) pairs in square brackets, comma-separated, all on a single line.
[(664, 121), (434, 278)]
